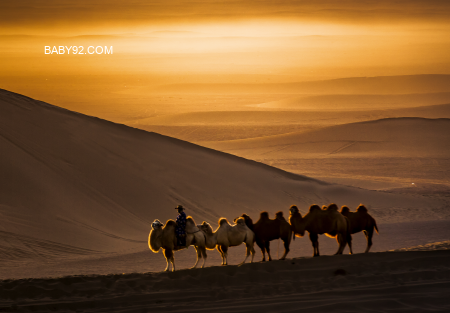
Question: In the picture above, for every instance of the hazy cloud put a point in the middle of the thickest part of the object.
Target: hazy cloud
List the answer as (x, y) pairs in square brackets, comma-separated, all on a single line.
[(64, 13)]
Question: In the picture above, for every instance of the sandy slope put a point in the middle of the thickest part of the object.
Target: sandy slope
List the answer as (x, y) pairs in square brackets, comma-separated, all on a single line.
[(416, 281), (77, 185)]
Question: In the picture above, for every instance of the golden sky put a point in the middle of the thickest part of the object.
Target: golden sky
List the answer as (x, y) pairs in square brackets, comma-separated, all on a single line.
[(56, 17), (224, 41)]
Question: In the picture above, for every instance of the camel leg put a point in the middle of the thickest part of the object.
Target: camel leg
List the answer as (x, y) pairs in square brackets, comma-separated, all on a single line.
[(338, 239), (253, 253), (263, 250), (341, 239), (167, 266), (199, 256), (169, 256), (247, 253), (225, 254), (349, 242), (368, 233), (286, 248), (173, 263), (267, 245), (219, 248), (315, 243), (204, 256)]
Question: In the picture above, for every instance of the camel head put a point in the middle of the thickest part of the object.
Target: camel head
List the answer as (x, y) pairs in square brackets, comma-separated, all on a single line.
[(293, 210), (296, 221), (205, 227), (247, 219), (154, 240), (156, 225)]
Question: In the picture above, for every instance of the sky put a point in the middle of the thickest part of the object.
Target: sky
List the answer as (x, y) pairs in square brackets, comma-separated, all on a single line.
[(75, 17), (171, 41)]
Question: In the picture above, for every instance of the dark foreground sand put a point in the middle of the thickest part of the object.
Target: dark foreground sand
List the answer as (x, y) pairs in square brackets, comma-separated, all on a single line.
[(411, 281)]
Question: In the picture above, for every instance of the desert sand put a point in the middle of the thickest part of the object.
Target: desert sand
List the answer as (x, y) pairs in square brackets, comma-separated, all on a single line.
[(412, 281), (78, 195)]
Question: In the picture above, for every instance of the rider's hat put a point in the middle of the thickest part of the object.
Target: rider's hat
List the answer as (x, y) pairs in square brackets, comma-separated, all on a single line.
[(179, 207)]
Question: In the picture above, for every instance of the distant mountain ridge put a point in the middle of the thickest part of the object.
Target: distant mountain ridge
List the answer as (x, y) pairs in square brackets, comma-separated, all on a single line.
[(381, 85)]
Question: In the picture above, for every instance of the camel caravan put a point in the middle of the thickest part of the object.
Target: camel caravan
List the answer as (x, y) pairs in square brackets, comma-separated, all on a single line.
[(328, 220)]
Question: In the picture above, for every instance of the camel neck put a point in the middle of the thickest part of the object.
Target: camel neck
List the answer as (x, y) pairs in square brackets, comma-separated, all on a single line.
[(155, 240)]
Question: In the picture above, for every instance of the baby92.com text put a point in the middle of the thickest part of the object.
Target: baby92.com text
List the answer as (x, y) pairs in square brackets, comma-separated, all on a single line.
[(78, 50)]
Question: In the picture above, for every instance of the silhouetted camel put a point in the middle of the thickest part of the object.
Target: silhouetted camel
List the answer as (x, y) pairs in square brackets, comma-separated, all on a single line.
[(322, 221), (361, 221), (266, 230), (228, 236)]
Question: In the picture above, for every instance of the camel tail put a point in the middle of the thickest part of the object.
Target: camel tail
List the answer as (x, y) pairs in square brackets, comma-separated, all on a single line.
[(376, 227)]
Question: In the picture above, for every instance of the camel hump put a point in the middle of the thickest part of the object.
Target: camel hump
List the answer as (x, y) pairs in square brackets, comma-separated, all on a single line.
[(264, 215), (345, 210), (170, 223), (332, 207), (190, 220), (314, 207), (240, 221), (222, 221), (279, 215), (361, 209)]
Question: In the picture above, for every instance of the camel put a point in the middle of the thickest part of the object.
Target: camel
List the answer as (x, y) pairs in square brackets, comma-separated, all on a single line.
[(165, 238), (361, 221), (267, 230), (322, 221), (228, 236)]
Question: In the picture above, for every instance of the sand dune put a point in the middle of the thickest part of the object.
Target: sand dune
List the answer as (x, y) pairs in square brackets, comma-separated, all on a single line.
[(289, 117), (416, 281), (74, 184), (394, 137), (78, 195), (199, 127), (395, 153)]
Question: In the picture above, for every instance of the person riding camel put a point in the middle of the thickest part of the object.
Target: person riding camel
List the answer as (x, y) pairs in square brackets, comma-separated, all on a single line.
[(180, 229)]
